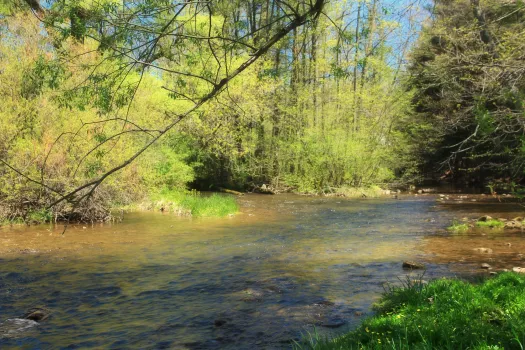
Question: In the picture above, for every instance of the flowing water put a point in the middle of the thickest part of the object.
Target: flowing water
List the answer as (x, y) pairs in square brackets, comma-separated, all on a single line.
[(258, 280)]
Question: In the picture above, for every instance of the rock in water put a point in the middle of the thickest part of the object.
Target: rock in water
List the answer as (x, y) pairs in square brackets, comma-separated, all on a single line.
[(483, 250), (335, 323), (485, 218), (37, 314), (513, 224), (485, 266), (413, 265), (219, 323), (518, 269)]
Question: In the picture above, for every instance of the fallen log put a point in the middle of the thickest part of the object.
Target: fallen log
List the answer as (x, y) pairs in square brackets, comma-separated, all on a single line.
[(236, 193)]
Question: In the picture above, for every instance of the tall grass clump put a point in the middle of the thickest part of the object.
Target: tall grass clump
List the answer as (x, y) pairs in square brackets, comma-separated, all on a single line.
[(193, 203), (491, 224), (444, 314)]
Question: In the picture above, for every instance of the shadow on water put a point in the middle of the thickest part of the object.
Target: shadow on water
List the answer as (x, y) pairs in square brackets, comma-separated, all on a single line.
[(284, 265)]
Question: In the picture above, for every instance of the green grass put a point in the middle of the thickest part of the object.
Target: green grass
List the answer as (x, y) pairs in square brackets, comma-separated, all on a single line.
[(193, 203), (444, 314), (458, 227), (35, 217), (490, 224), (39, 216)]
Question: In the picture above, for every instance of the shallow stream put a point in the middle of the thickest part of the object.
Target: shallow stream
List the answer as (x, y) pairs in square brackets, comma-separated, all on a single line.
[(258, 280)]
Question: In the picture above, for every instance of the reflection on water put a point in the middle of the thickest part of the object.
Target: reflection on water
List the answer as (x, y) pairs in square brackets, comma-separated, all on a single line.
[(257, 280)]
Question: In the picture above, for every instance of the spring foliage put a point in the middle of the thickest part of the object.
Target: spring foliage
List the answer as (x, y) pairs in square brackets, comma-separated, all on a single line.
[(322, 109)]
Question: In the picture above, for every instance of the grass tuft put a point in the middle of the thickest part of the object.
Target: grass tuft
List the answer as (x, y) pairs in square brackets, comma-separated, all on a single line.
[(490, 224), (444, 314), (193, 203), (458, 227)]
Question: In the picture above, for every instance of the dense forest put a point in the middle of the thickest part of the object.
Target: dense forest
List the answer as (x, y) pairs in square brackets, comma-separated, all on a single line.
[(105, 103)]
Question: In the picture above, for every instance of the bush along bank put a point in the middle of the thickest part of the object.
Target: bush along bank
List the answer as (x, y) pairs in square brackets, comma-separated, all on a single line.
[(443, 314), (182, 203)]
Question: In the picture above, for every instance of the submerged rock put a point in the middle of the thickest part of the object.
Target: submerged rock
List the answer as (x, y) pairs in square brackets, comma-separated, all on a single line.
[(335, 323), (485, 218), (324, 303), (485, 266), (413, 265), (252, 295), (15, 327), (219, 323), (37, 314), (483, 250)]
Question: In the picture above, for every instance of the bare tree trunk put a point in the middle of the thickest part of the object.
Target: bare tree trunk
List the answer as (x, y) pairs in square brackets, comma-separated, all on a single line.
[(372, 12), (356, 64)]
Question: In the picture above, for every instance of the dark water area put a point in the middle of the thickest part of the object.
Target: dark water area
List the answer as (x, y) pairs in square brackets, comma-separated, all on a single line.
[(282, 267)]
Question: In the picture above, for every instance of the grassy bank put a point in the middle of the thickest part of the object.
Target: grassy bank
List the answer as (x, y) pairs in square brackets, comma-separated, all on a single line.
[(444, 314), (191, 203), (183, 203)]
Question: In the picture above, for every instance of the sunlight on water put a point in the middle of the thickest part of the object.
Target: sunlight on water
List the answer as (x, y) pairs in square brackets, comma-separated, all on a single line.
[(258, 280)]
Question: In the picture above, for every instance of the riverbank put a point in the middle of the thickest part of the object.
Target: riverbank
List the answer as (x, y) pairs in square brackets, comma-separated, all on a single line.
[(181, 203), (443, 314)]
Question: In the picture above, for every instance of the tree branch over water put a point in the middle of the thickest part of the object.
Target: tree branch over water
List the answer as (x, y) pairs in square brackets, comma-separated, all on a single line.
[(127, 36)]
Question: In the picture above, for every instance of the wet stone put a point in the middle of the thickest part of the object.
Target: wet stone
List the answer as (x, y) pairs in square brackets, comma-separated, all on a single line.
[(333, 323), (413, 265), (324, 303), (485, 266), (37, 314)]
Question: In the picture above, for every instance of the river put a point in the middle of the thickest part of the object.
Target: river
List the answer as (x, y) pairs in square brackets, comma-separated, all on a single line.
[(284, 266)]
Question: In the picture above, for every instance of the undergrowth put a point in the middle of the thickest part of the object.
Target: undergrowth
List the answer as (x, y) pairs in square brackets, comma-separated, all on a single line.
[(444, 314)]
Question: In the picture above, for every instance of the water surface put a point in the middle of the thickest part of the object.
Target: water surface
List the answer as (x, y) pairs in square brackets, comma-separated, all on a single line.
[(284, 265)]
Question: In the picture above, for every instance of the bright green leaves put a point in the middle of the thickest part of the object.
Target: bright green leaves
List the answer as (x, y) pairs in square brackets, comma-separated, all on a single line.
[(43, 74), (484, 119)]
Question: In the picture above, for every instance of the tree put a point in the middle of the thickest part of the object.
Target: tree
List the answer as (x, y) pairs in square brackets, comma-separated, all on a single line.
[(208, 39), (467, 70)]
